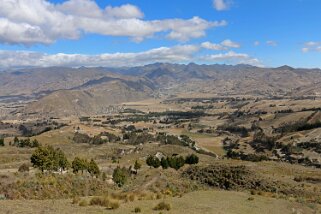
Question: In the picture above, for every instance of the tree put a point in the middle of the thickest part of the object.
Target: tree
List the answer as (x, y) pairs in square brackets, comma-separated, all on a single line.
[(164, 163), (137, 166), (176, 162), (179, 162), (149, 161), (79, 164), (93, 168), (35, 143), (191, 159), (153, 161), (1, 142), (44, 158), (120, 176), (16, 141), (61, 162)]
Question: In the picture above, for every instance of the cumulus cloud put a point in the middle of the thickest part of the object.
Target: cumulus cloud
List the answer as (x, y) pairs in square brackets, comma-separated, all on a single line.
[(272, 43), (232, 57), (230, 44), (181, 53), (175, 54), (224, 45), (311, 46), (126, 11), (39, 21), (221, 4)]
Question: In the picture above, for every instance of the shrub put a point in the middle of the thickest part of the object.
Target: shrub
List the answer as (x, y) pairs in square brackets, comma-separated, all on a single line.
[(137, 165), (114, 205), (99, 201), (137, 210), (23, 168), (83, 203), (153, 161), (104, 176), (191, 159), (164, 163), (120, 176), (176, 162), (75, 200), (104, 202), (1, 142), (163, 206)]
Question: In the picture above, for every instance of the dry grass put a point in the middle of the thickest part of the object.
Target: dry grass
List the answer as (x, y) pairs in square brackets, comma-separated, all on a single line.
[(223, 202)]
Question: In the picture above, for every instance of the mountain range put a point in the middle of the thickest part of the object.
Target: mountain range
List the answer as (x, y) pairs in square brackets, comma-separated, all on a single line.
[(63, 91)]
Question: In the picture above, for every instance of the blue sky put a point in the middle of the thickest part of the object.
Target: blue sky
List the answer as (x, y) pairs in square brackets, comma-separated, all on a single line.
[(118, 33)]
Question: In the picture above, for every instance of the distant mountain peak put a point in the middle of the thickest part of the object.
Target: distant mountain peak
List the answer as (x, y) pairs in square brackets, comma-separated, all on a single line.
[(285, 67)]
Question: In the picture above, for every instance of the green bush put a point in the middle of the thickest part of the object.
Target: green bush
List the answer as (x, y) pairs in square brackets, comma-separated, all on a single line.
[(191, 159), (23, 168), (120, 176), (153, 161), (83, 203), (137, 210)]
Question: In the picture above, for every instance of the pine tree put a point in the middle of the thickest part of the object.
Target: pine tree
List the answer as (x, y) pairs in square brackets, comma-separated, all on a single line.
[(120, 176), (61, 160), (93, 168), (164, 163), (79, 164), (191, 159)]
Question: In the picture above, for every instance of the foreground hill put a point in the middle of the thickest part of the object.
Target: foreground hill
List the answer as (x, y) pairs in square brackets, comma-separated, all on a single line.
[(208, 202)]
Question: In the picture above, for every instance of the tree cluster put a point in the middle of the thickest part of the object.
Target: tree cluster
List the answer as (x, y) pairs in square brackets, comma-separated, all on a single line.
[(50, 159), (23, 143), (79, 164), (96, 140), (240, 130), (136, 137), (175, 162)]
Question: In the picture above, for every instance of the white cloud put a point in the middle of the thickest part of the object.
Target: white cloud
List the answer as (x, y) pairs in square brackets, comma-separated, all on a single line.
[(256, 43), (272, 43), (126, 11), (311, 46), (230, 44), (213, 46), (175, 54), (221, 4), (183, 53), (224, 45), (232, 57), (39, 21)]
